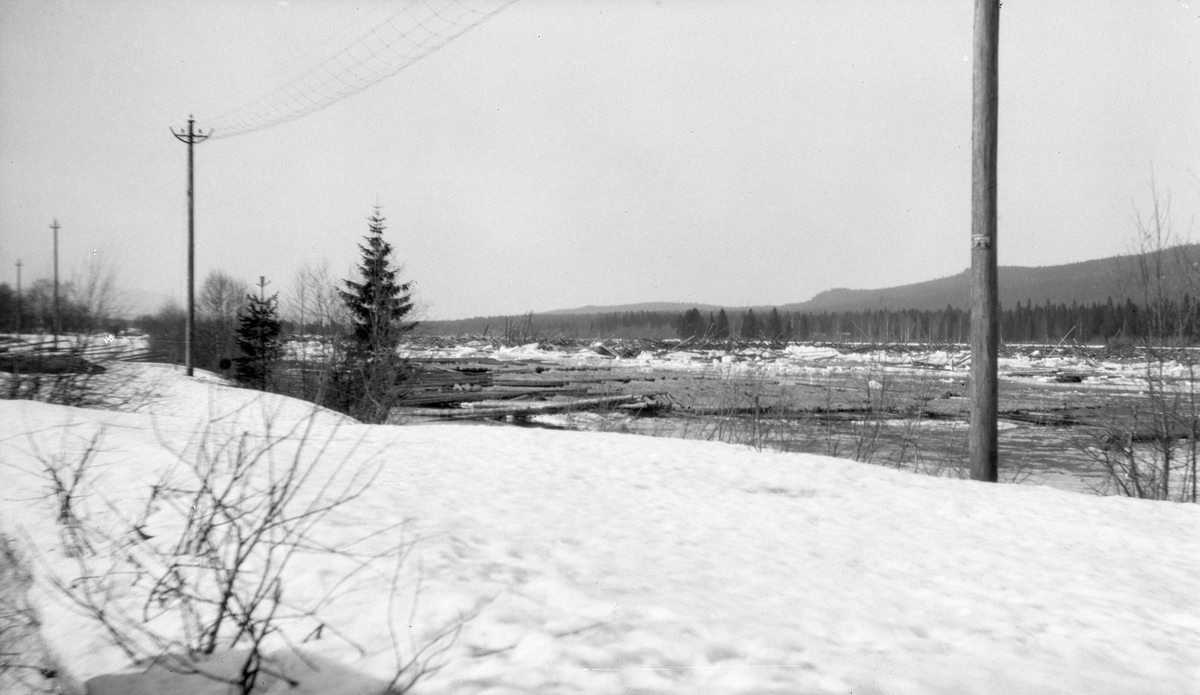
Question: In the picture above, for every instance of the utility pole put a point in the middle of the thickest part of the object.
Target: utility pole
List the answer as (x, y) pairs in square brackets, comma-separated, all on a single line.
[(55, 227), (191, 137), (18, 331), (301, 313), (984, 295), (260, 330)]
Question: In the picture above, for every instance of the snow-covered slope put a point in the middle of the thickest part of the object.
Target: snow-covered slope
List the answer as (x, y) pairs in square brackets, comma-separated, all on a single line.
[(608, 563)]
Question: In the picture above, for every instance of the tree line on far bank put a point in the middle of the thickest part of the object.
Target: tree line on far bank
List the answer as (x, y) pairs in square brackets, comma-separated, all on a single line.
[(1169, 320)]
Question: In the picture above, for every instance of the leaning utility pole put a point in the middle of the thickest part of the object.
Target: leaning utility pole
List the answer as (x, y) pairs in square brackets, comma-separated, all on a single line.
[(55, 227), (191, 137), (984, 299)]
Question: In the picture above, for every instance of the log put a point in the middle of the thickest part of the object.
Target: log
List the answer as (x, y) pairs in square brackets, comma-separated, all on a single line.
[(524, 409), (448, 398)]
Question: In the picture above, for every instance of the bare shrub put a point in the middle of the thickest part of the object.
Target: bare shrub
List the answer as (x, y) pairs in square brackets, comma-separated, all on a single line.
[(878, 416), (1151, 451), (315, 308), (218, 303), (198, 565), (167, 328), (25, 668), (99, 298)]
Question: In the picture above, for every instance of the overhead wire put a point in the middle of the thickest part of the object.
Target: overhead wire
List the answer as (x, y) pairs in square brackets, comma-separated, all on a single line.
[(419, 28), (314, 54)]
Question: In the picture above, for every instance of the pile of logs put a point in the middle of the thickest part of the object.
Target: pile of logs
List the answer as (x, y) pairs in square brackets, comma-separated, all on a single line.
[(486, 388)]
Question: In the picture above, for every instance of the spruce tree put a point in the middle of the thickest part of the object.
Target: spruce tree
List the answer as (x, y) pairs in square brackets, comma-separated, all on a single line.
[(750, 329), (258, 339), (378, 304), (691, 326), (721, 327), (774, 328)]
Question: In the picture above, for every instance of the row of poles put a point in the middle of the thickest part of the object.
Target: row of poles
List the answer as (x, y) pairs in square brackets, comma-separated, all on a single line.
[(54, 227), (191, 137), (984, 295)]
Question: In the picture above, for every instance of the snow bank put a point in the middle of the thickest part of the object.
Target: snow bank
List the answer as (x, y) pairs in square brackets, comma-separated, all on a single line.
[(604, 563)]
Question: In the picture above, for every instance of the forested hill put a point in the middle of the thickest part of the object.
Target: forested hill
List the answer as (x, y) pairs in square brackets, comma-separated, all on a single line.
[(1087, 282), (1092, 300)]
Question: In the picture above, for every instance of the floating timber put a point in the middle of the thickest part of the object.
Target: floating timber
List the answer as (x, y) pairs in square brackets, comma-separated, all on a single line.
[(492, 410), (485, 388)]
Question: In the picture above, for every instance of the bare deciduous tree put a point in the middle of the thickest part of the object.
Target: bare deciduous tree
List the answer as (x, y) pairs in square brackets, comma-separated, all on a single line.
[(1152, 452), (313, 305), (98, 296), (220, 299)]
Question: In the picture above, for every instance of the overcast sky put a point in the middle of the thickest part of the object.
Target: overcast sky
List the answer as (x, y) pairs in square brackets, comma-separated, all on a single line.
[(567, 152)]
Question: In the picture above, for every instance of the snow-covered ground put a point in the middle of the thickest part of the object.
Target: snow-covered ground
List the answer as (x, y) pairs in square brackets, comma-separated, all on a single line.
[(609, 563), (22, 342)]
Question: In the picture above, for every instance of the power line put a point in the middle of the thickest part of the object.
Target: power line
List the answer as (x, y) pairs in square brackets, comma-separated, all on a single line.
[(424, 25), (418, 29)]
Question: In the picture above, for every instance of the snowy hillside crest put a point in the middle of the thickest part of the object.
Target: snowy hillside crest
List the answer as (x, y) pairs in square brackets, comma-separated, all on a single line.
[(522, 560)]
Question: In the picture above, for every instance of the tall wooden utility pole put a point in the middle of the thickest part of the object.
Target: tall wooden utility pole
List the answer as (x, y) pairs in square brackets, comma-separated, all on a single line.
[(984, 299), (55, 227), (18, 330), (191, 137)]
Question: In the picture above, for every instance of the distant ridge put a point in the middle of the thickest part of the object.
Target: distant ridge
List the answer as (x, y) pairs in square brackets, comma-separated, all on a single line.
[(1085, 282)]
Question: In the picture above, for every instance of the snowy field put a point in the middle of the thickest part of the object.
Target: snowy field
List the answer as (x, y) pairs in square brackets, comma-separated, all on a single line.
[(609, 563)]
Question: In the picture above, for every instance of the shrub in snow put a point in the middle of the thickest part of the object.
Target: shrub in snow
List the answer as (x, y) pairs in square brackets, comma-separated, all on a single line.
[(193, 573)]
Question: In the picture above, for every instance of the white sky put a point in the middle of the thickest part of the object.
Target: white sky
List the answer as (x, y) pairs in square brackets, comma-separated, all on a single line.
[(568, 153)]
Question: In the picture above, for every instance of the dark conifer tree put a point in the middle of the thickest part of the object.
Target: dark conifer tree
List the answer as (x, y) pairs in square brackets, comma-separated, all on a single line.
[(370, 383), (774, 327), (692, 325), (8, 308), (801, 324), (377, 302), (750, 330), (720, 329), (258, 340)]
